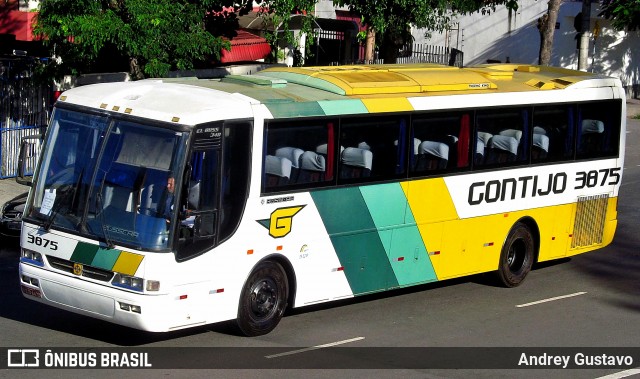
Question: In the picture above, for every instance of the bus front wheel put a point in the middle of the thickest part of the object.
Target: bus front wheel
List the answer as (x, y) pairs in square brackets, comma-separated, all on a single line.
[(516, 257), (263, 300)]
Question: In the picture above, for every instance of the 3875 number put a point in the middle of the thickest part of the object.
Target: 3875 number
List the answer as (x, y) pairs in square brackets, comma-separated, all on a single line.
[(39, 241), (593, 178)]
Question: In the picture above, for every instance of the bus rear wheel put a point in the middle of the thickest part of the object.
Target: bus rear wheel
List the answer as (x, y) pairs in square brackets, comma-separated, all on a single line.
[(263, 299), (516, 257)]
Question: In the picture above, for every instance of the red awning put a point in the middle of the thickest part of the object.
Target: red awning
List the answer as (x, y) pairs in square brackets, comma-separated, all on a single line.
[(19, 24), (246, 47)]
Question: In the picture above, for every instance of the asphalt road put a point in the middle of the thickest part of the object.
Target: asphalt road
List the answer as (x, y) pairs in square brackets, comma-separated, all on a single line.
[(592, 300)]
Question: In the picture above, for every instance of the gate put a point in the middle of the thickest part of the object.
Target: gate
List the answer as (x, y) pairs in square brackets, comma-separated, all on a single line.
[(423, 53), (25, 107)]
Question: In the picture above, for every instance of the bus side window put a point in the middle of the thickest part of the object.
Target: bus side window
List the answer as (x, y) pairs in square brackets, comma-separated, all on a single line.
[(441, 143), (298, 154), (374, 148), (553, 134), (598, 129), (502, 137)]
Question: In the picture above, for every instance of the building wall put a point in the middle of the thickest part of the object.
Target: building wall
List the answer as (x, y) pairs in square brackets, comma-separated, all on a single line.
[(514, 36)]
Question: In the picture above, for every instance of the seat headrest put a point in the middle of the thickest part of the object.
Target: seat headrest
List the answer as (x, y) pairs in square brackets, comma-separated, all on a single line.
[(291, 153), (505, 143), (354, 156), (277, 166), (312, 161), (438, 149)]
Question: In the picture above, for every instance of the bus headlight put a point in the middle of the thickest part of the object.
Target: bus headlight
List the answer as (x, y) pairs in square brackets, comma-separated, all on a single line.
[(128, 282), (33, 257), (153, 285)]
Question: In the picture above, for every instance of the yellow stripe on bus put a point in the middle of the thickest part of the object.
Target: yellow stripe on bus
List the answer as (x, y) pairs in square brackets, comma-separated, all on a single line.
[(386, 104), (128, 263), (459, 247)]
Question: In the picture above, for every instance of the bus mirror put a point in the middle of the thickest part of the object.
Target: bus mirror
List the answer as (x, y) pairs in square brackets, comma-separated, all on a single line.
[(27, 158), (204, 224)]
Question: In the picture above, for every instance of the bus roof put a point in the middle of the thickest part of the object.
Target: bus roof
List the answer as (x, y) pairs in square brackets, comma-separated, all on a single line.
[(314, 91)]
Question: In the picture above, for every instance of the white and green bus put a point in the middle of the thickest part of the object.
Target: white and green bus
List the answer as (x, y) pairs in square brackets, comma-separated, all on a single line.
[(170, 203)]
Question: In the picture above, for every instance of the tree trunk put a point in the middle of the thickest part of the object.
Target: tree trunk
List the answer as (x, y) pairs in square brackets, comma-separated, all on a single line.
[(547, 27), (135, 70), (370, 44), (583, 52)]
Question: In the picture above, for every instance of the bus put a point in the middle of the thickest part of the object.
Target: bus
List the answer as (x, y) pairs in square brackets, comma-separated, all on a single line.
[(164, 204)]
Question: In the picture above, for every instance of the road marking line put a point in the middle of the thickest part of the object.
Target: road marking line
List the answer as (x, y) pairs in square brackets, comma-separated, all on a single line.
[(550, 299), (621, 374), (314, 348)]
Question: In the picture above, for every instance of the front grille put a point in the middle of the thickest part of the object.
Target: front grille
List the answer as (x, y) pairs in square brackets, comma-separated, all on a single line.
[(87, 271), (590, 218)]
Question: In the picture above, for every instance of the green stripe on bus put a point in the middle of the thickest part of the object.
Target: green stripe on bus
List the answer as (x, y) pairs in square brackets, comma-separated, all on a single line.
[(355, 239), (399, 233), (84, 253), (338, 107), (105, 259), (290, 109)]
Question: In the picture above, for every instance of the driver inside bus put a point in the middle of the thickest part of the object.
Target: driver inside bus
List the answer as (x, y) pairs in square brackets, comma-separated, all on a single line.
[(165, 205)]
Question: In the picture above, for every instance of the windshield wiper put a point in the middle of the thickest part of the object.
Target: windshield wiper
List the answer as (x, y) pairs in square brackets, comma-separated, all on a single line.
[(100, 209)]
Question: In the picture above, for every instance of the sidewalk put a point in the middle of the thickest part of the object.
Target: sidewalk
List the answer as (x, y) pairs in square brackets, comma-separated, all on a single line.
[(9, 188)]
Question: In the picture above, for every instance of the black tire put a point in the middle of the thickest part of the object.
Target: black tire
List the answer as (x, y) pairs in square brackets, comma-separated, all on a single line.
[(263, 299), (516, 257)]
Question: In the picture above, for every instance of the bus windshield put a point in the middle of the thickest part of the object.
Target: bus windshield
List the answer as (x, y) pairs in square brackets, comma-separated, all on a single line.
[(109, 179)]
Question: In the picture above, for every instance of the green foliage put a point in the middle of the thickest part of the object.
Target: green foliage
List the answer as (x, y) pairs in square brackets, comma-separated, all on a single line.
[(150, 36), (278, 18), (624, 13)]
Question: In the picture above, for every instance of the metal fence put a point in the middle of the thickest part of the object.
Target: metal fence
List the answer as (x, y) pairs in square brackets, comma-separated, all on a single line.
[(25, 107), (423, 53)]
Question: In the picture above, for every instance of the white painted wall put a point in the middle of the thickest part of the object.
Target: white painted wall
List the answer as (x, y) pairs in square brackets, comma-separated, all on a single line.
[(514, 35)]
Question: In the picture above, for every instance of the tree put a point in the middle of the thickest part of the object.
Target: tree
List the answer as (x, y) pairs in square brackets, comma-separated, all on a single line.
[(393, 19), (547, 27), (147, 37), (624, 13)]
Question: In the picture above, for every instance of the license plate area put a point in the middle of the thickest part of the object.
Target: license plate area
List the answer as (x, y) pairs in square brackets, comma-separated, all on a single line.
[(35, 292)]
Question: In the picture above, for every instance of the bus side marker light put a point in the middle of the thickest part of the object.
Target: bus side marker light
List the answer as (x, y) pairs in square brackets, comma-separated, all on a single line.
[(488, 244), (250, 251), (434, 252), (553, 238), (182, 297), (400, 259), (506, 215), (219, 290), (279, 248), (341, 268), (570, 235)]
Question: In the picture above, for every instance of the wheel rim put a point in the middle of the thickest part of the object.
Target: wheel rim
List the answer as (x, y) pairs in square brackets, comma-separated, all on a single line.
[(264, 298), (517, 255)]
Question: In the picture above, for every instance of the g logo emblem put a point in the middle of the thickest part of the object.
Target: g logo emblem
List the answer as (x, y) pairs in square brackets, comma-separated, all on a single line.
[(281, 221), (77, 269)]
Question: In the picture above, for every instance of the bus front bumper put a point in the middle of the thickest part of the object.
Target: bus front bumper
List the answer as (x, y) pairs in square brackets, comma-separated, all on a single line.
[(153, 313)]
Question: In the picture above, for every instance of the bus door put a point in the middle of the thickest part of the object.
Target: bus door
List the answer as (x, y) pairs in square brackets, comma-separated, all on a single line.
[(214, 187)]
